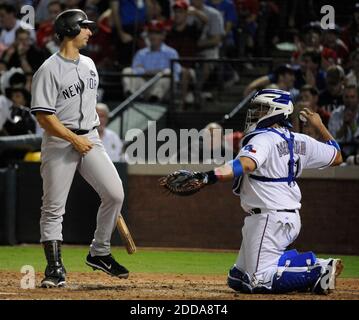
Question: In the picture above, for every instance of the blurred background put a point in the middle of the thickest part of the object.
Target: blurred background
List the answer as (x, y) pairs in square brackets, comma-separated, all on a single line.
[(212, 56)]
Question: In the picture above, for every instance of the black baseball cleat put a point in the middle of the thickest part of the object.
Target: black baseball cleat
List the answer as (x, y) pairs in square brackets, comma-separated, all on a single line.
[(107, 264), (54, 277), (55, 271)]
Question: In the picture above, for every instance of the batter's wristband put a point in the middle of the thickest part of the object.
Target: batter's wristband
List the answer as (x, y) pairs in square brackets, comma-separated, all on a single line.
[(236, 167), (212, 178)]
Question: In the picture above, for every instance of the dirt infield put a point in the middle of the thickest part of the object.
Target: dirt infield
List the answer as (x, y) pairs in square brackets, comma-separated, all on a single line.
[(151, 286)]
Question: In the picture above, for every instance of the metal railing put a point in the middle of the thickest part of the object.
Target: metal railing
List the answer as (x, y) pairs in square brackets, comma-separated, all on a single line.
[(198, 62), (236, 109), (28, 142), (129, 102)]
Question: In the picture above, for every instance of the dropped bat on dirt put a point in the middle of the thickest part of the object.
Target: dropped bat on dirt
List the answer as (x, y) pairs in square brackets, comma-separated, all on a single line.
[(126, 235)]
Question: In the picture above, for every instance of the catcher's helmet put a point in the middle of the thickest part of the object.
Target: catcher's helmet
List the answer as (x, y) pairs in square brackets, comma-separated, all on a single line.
[(269, 106), (69, 22)]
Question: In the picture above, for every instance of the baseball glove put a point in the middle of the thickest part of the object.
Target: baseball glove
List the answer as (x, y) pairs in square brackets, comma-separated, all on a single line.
[(184, 182)]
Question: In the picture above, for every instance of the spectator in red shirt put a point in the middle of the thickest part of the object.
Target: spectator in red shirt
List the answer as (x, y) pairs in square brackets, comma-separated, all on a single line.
[(45, 36), (183, 37), (99, 47), (332, 41), (311, 40)]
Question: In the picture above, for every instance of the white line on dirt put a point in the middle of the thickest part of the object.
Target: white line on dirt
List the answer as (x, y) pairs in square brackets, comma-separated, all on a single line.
[(6, 293)]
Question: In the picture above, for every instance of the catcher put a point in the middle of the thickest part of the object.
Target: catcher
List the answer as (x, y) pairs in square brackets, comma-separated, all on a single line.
[(265, 172)]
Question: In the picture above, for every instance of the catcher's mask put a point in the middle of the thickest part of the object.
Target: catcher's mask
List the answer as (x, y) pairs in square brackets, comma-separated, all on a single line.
[(267, 107)]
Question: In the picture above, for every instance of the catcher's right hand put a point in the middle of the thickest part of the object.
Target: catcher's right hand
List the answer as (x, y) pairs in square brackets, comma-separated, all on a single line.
[(184, 182)]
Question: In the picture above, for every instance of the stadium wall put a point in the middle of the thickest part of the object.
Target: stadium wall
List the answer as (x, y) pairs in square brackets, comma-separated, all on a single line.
[(212, 218)]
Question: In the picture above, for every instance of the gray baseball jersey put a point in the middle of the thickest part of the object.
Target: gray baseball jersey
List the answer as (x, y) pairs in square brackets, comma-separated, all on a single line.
[(68, 89)]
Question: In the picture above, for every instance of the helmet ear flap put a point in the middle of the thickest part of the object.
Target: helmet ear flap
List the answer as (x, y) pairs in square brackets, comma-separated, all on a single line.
[(77, 29), (291, 109), (74, 31)]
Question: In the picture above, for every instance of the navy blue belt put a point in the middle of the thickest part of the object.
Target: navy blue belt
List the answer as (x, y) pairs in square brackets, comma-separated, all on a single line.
[(259, 211)]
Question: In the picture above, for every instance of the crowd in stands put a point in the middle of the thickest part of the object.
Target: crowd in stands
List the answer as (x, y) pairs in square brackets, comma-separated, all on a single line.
[(139, 38)]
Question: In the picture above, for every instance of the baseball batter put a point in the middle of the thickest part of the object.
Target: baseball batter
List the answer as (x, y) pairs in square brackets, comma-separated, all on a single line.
[(265, 172), (64, 92)]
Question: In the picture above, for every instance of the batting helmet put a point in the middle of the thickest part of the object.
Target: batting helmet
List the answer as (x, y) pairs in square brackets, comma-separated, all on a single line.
[(69, 22)]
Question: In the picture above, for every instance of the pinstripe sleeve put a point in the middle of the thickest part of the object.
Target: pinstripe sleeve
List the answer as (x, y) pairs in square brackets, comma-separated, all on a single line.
[(44, 91)]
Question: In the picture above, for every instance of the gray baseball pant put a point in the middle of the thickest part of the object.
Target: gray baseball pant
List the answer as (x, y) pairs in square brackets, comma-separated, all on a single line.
[(59, 164)]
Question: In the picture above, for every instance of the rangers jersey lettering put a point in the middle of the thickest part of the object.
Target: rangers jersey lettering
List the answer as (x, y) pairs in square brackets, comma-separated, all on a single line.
[(271, 154)]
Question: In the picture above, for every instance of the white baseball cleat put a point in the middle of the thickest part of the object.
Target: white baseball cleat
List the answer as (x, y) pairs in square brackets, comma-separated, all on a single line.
[(327, 282), (337, 269)]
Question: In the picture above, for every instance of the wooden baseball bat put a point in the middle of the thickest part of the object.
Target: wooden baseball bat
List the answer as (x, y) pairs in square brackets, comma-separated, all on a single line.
[(126, 235)]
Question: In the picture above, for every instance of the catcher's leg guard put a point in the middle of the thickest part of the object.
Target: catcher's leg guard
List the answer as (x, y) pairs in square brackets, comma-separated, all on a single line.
[(239, 280), (296, 279), (296, 272)]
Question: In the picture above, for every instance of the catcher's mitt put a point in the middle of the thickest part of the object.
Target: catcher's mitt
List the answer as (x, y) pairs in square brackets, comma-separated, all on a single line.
[(184, 182)]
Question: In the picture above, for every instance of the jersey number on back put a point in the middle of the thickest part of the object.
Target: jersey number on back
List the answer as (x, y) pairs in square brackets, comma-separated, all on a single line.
[(296, 166)]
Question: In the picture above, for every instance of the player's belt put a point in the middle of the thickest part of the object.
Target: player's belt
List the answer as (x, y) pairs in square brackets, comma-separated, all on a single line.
[(81, 131), (259, 211), (266, 179)]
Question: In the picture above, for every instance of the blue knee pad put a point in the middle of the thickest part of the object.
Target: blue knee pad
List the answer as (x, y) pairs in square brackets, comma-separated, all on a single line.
[(299, 272), (287, 255), (292, 258), (239, 280)]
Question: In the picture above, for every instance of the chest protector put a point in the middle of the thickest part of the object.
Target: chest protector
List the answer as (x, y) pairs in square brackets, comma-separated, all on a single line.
[(290, 179)]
